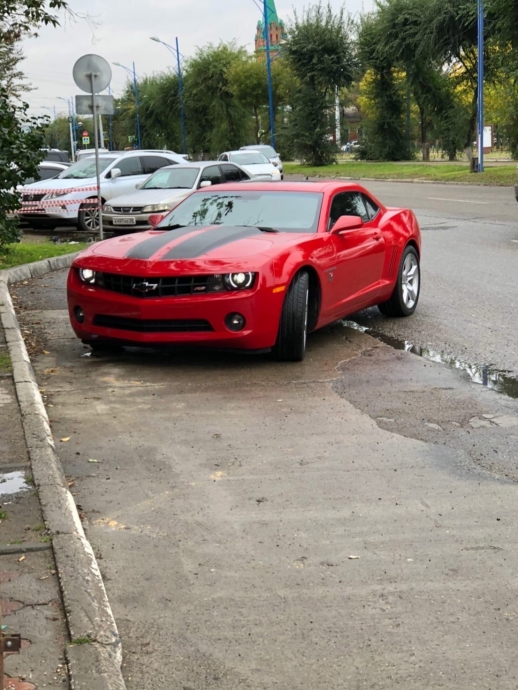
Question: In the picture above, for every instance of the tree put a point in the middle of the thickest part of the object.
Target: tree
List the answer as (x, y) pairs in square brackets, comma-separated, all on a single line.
[(57, 134), (21, 17), (319, 50), (11, 76), (248, 82), (217, 121), (21, 139)]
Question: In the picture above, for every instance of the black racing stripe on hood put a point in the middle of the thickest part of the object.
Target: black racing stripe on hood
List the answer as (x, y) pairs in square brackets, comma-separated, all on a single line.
[(147, 248), (206, 241)]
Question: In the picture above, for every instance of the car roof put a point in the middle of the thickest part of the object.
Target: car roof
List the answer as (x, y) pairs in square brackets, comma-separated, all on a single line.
[(256, 147), (302, 186), (239, 151), (196, 164), (55, 164)]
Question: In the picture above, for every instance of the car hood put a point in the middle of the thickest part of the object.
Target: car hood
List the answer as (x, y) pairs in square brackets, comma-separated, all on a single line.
[(63, 184), (260, 169), (216, 248), (145, 197)]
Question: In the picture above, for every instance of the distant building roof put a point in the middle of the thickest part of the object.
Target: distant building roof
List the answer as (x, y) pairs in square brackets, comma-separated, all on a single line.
[(273, 17)]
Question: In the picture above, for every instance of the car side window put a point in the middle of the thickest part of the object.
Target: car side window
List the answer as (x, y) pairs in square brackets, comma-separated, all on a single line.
[(48, 173), (223, 157), (372, 208), (347, 204), (211, 174), (151, 164), (130, 166), (232, 174)]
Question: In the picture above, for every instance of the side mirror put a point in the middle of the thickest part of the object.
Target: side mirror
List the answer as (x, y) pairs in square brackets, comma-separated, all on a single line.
[(115, 172), (345, 223), (155, 218), (205, 183)]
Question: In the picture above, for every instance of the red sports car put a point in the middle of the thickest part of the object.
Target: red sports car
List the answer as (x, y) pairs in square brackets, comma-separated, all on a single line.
[(252, 266)]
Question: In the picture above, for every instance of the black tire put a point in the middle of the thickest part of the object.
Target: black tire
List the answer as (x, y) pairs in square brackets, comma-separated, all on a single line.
[(403, 302), (88, 216), (293, 327)]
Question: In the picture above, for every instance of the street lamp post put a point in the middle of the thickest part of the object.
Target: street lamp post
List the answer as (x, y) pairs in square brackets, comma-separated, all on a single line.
[(176, 52), (133, 73), (269, 70), (69, 102), (480, 8)]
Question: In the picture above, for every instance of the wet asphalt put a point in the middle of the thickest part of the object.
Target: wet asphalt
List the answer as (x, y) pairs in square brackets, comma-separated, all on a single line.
[(347, 522)]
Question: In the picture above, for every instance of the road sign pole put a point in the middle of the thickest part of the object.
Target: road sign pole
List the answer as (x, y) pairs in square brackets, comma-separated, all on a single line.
[(480, 85), (97, 173), (70, 122)]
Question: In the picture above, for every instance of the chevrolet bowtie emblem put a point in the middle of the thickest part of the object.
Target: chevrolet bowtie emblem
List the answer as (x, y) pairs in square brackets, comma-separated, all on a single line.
[(145, 287)]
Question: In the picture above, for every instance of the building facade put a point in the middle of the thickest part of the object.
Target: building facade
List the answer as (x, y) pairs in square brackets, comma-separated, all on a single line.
[(276, 30)]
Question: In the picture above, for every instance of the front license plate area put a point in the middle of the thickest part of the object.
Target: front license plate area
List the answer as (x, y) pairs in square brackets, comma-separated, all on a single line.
[(124, 220)]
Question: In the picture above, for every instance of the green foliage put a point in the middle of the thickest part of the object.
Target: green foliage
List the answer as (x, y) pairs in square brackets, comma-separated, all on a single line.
[(20, 17), (25, 252), (217, 121), (320, 53), (21, 139), (248, 83), (57, 134)]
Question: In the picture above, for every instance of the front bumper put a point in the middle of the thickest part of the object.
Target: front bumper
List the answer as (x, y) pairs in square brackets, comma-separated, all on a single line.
[(133, 320)]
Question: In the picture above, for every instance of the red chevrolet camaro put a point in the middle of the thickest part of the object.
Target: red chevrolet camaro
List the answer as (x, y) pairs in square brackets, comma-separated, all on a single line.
[(248, 266)]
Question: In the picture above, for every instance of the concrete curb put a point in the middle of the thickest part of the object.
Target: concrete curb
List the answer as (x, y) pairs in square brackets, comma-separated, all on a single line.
[(95, 655)]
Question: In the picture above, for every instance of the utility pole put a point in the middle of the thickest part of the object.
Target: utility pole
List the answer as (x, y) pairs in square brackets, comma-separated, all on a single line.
[(480, 8), (269, 70), (180, 89), (135, 88)]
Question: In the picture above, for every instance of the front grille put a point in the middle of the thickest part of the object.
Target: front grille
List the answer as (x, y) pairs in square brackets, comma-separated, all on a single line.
[(154, 287), (127, 209), (32, 197), (153, 325)]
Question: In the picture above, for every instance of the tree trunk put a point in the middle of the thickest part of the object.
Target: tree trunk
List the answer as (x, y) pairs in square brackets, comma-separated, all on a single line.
[(257, 127), (472, 120), (424, 133)]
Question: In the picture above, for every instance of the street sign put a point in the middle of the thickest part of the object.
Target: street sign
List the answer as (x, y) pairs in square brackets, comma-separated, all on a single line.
[(104, 105), (86, 140), (70, 119), (92, 73), (85, 133)]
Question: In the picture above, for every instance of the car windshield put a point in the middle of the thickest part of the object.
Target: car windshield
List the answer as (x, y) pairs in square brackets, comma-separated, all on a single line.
[(85, 168), (282, 211), (268, 151), (248, 158), (178, 178)]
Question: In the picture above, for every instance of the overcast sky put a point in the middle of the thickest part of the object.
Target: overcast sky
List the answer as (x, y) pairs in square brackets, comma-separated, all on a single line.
[(123, 35)]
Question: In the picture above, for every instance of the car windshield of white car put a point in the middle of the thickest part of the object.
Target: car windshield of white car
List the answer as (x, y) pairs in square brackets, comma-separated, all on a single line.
[(249, 158), (281, 211), (85, 168), (268, 151), (179, 178)]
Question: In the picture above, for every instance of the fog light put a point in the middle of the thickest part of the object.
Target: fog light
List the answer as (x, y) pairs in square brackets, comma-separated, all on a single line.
[(79, 314), (235, 322)]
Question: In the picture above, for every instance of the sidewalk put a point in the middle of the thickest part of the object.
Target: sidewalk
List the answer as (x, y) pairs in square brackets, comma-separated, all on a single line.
[(29, 587)]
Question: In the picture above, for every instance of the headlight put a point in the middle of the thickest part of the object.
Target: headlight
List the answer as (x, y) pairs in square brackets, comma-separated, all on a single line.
[(87, 275), (239, 281), (57, 193), (156, 208), (275, 163), (230, 281), (107, 209)]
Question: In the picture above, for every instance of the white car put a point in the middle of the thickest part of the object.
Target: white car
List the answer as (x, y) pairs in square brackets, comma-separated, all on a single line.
[(255, 164), (270, 153), (163, 191), (71, 198)]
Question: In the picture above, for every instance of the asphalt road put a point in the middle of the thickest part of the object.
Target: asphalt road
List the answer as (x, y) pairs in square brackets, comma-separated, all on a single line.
[(468, 310), (347, 522)]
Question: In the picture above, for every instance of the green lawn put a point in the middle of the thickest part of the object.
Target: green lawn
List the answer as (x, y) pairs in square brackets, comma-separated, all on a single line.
[(26, 253), (502, 175), (5, 363)]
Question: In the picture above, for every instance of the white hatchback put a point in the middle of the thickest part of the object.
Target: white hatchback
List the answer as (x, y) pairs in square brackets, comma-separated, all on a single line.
[(255, 164), (71, 198)]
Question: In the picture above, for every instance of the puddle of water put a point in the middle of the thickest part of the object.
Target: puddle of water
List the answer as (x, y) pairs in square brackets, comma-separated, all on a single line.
[(13, 483), (484, 375)]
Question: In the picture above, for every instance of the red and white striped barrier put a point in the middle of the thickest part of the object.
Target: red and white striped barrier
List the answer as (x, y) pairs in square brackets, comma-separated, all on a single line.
[(72, 190)]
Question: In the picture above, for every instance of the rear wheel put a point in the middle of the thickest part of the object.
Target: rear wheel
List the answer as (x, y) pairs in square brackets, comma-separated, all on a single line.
[(293, 327), (403, 300)]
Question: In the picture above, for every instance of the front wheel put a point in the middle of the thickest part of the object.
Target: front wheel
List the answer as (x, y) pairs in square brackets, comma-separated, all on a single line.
[(403, 300), (88, 216), (293, 327)]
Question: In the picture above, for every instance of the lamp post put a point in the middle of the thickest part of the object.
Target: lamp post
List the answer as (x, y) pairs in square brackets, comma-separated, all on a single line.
[(135, 91), (71, 121), (480, 8), (176, 52), (269, 71)]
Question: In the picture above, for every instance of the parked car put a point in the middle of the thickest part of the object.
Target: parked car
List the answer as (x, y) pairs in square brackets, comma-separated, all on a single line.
[(72, 197), (47, 170), (164, 190), (250, 266), (88, 153), (56, 155), (255, 163), (270, 153)]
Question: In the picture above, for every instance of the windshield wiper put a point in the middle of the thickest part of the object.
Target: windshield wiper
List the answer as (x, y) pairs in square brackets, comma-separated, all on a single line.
[(262, 228)]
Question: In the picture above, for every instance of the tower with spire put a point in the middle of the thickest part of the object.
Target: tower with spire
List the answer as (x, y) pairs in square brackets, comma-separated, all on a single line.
[(276, 30)]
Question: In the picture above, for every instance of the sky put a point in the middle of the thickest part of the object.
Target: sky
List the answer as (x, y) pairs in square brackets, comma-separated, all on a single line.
[(120, 31)]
